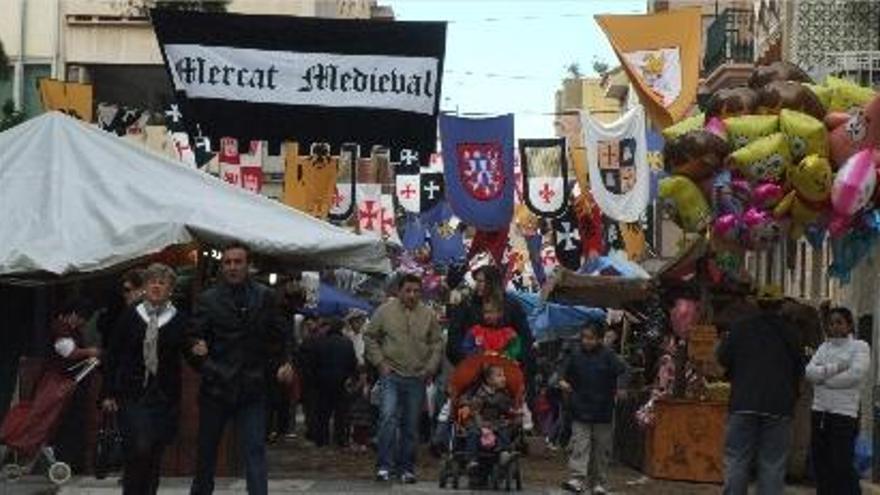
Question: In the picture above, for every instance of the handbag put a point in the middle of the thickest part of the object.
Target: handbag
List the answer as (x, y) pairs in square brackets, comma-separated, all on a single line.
[(109, 451)]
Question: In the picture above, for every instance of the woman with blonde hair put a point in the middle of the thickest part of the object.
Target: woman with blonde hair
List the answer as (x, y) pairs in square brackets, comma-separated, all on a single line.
[(142, 380)]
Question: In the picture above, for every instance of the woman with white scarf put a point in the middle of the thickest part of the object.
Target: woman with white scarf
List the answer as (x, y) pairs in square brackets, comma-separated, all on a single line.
[(837, 372), (143, 379)]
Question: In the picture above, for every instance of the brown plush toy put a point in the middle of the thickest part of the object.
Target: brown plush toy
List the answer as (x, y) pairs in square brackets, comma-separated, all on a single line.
[(777, 71), (776, 95), (732, 102), (696, 155)]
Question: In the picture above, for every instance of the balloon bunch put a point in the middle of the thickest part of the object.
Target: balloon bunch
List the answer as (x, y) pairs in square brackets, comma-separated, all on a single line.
[(781, 155)]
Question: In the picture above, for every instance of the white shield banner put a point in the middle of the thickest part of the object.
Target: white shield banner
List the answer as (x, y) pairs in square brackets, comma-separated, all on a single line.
[(342, 198), (547, 194), (408, 192)]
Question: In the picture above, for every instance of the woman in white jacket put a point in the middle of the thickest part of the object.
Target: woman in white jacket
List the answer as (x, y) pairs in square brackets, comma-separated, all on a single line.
[(837, 371)]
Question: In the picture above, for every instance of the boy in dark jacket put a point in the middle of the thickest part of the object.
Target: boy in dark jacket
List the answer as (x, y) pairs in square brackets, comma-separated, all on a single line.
[(590, 377)]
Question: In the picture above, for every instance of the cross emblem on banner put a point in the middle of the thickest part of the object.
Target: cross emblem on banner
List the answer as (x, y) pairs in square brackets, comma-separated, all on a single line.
[(387, 223), (567, 236), (181, 148), (368, 214), (547, 193), (431, 188), (173, 113), (408, 191), (409, 157), (337, 197)]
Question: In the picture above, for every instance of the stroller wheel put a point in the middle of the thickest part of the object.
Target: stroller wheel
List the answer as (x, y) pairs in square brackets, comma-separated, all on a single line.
[(12, 472), (59, 473)]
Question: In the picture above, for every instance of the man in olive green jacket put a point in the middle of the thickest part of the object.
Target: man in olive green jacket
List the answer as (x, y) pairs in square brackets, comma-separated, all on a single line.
[(404, 342)]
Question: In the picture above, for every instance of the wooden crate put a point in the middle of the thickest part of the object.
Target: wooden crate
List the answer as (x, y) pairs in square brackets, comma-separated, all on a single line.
[(686, 442)]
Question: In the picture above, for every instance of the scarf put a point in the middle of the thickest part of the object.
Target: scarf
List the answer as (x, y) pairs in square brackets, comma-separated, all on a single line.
[(155, 317)]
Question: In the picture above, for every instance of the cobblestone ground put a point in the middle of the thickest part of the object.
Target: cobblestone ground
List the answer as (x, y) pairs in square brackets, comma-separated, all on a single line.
[(296, 467)]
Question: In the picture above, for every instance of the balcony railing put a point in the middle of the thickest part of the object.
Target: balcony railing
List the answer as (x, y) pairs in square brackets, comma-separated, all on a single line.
[(862, 66), (730, 39)]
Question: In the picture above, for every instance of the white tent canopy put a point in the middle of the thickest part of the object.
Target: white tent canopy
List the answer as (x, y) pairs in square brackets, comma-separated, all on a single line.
[(77, 199)]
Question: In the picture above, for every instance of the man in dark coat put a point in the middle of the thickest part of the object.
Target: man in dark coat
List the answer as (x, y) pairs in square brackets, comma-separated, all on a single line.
[(763, 357), (332, 361), (237, 330)]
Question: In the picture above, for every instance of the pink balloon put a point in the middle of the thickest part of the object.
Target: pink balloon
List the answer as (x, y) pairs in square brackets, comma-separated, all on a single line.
[(726, 227), (766, 195), (716, 126), (763, 230), (854, 184), (684, 316)]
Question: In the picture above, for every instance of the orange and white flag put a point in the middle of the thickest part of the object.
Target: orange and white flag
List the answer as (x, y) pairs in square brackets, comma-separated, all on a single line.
[(661, 55)]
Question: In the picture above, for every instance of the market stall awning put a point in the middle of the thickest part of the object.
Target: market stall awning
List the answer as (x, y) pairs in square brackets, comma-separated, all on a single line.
[(607, 291), (77, 199)]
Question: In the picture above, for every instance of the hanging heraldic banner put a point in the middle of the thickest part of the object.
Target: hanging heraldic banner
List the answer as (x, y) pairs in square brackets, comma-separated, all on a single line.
[(330, 80)]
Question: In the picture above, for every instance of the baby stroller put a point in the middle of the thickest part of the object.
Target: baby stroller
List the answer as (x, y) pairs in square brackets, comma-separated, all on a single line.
[(30, 424), (496, 474)]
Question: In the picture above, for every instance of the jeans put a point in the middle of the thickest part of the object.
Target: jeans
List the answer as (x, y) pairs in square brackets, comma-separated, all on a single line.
[(401, 401), (250, 418), (832, 447), (749, 435)]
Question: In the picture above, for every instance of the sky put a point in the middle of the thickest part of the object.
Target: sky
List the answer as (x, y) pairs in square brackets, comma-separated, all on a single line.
[(510, 56)]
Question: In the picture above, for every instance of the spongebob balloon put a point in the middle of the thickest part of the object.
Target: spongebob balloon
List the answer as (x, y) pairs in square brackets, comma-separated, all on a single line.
[(745, 129), (810, 181), (806, 135), (764, 160), (685, 199)]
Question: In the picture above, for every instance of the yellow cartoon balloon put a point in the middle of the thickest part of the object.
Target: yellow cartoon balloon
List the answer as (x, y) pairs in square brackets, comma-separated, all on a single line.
[(741, 131), (684, 198), (765, 160), (806, 135), (846, 95), (683, 127), (810, 181)]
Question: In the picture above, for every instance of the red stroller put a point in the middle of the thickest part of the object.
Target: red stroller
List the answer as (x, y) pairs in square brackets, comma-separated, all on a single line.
[(30, 424)]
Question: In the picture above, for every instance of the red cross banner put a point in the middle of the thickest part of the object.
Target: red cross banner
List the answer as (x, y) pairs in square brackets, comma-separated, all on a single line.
[(230, 161), (369, 208), (252, 168), (407, 180), (387, 219), (545, 176)]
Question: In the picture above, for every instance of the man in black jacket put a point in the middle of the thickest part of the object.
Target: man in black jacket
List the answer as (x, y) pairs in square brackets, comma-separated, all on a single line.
[(764, 361), (332, 361), (236, 328)]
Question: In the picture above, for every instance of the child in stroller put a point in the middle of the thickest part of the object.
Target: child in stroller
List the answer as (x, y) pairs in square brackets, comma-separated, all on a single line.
[(486, 394), (486, 413)]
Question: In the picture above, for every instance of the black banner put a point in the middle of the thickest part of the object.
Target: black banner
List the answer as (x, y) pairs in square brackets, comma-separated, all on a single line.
[(279, 78)]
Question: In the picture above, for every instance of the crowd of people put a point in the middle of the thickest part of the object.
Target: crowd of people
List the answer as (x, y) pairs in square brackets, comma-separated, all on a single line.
[(378, 379)]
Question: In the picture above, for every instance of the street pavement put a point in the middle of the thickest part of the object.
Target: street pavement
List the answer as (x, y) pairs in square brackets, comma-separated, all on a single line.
[(180, 486)]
